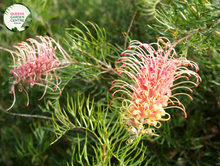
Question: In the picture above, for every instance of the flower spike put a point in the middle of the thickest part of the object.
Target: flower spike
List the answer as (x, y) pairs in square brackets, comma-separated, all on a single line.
[(152, 71), (35, 64)]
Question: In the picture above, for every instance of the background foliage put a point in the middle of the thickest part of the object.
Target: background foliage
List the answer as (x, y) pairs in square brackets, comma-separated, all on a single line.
[(77, 119)]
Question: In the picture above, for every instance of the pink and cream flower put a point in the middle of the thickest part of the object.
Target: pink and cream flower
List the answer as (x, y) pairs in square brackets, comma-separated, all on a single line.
[(154, 72), (35, 64)]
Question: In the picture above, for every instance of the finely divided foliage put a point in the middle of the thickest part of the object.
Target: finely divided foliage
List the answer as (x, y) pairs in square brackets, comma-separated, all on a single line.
[(155, 72), (151, 74), (100, 125)]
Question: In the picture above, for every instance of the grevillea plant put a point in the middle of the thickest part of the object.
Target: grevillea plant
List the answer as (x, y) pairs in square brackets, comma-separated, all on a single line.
[(35, 64), (155, 73)]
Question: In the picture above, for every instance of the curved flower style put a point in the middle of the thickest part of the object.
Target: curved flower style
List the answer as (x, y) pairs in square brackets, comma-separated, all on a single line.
[(152, 70), (35, 64)]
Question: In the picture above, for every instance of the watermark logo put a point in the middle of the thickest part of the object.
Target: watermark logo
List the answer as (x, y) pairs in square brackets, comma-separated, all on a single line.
[(17, 17)]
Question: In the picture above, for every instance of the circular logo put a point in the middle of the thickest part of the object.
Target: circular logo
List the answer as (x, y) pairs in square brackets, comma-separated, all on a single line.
[(17, 17)]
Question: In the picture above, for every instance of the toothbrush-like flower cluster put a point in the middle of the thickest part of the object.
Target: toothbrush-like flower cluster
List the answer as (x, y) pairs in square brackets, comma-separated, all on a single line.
[(152, 70), (35, 64)]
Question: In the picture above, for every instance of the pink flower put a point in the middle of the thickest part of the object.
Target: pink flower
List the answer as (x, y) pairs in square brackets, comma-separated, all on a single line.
[(155, 73), (35, 64)]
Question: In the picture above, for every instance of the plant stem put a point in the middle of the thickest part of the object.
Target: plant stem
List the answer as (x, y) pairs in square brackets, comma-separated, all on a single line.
[(186, 37), (104, 152), (29, 116), (126, 37)]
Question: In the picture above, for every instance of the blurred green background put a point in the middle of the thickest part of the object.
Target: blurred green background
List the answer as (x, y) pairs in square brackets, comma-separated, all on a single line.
[(25, 141)]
